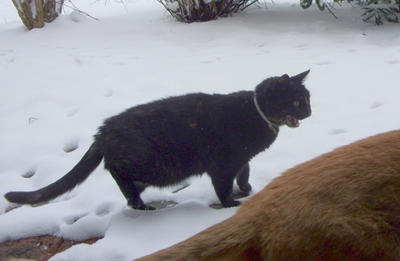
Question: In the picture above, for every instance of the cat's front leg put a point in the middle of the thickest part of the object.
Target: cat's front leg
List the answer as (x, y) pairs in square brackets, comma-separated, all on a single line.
[(223, 185), (242, 178)]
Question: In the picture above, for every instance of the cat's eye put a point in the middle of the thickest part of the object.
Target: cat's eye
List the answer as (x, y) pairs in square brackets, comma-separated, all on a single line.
[(296, 103)]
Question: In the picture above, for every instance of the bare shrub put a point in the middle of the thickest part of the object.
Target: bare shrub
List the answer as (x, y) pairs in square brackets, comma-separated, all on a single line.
[(203, 10)]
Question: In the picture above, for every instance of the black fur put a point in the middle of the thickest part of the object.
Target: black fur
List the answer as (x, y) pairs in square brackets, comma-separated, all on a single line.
[(164, 142)]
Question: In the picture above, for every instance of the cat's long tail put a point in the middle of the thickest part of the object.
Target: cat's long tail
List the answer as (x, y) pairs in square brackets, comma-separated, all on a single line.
[(233, 239), (77, 175)]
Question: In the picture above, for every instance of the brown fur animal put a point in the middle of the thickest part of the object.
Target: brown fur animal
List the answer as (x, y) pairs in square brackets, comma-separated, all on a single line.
[(343, 205)]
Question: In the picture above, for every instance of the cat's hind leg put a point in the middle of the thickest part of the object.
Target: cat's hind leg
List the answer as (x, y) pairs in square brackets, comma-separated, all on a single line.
[(131, 190), (242, 178)]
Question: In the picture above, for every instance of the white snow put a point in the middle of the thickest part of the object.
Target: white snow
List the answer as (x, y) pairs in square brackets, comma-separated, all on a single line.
[(59, 83)]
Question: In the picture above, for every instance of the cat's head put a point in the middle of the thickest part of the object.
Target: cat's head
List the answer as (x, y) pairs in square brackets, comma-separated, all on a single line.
[(284, 99)]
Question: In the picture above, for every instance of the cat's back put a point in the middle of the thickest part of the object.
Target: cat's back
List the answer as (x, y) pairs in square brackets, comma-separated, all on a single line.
[(343, 176), (366, 161), (346, 199), (189, 104), (186, 116), (163, 107), (155, 116)]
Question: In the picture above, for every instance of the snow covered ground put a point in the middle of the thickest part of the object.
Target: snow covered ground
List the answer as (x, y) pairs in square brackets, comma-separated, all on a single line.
[(59, 83)]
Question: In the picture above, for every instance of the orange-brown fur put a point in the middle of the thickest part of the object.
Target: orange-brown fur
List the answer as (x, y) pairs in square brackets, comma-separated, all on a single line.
[(343, 205)]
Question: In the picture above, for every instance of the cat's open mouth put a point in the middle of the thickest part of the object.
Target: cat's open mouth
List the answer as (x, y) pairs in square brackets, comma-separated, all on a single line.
[(292, 122)]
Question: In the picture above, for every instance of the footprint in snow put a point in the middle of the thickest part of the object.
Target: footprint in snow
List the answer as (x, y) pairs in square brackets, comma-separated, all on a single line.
[(375, 105), (72, 112), (263, 52), (299, 46), (118, 63), (8, 55), (104, 209), (71, 145), (394, 61), (77, 60), (32, 120), (337, 131), (29, 173), (70, 220), (109, 93), (211, 60), (324, 63), (302, 47), (11, 60)]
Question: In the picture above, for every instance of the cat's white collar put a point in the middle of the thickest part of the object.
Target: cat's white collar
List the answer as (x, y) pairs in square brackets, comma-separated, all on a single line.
[(270, 125)]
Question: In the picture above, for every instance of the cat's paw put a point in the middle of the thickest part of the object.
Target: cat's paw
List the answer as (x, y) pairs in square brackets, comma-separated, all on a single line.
[(138, 204), (144, 207), (231, 203)]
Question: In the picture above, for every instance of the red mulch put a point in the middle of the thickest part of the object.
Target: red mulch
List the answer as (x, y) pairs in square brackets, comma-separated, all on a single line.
[(39, 248)]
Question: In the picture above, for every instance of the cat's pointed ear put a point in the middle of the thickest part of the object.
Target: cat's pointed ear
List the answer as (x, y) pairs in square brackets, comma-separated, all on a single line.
[(300, 77), (283, 78)]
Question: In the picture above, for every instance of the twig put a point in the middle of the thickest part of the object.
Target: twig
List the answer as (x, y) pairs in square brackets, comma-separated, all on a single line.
[(76, 9), (330, 11), (255, 1)]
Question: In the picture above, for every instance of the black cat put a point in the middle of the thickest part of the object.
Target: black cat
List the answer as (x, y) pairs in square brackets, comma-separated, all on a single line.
[(164, 142)]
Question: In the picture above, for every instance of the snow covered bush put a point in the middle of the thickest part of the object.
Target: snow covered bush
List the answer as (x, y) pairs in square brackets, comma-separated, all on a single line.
[(374, 10), (34, 13), (203, 10)]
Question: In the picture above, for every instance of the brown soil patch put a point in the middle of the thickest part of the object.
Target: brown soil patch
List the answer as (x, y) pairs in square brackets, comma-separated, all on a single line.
[(39, 248)]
